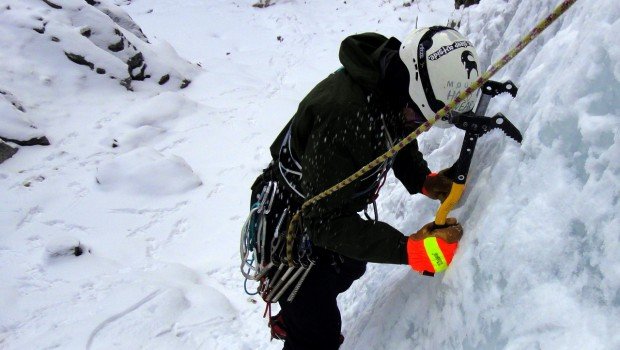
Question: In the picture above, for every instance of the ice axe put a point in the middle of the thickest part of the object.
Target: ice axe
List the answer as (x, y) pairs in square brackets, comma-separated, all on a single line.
[(475, 125)]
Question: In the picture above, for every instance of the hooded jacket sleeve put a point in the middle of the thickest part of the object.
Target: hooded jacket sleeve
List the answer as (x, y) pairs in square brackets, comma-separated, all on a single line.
[(338, 145), (334, 223), (411, 168)]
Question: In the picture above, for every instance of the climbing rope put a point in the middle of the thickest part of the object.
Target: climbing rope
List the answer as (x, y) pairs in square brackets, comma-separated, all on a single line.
[(539, 28)]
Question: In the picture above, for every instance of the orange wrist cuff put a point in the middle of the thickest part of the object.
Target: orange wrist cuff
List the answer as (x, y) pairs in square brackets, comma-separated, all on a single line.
[(424, 190)]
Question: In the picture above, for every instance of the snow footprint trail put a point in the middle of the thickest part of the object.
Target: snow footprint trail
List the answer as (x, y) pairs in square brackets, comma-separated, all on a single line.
[(121, 314)]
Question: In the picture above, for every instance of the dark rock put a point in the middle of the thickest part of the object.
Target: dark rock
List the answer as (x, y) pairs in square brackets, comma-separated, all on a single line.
[(6, 152), (164, 79), (52, 5), (185, 83), (126, 83), (40, 30), (55, 39), (87, 32), (262, 4), (38, 141), (100, 71), (140, 76), (120, 45), (79, 60), (63, 247), (466, 3), (136, 61)]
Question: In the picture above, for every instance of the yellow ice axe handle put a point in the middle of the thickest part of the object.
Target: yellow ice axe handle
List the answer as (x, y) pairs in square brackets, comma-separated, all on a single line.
[(444, 209)]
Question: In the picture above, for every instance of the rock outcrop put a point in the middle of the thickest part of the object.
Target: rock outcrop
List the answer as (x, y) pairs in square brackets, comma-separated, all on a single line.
[(101, 37)]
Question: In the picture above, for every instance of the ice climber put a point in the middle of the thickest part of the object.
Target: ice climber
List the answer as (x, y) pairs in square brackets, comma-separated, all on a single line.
[(384, 90)]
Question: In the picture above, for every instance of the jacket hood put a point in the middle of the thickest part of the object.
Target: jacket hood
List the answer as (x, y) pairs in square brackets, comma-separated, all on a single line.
[(372, 61), (360, 55)]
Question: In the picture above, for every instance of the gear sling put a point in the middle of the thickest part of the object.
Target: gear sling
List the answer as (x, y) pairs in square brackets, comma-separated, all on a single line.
[(276, 196)]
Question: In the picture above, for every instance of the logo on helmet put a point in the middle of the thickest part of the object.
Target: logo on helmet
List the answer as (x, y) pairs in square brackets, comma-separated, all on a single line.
[(467, 58), (444, 50)]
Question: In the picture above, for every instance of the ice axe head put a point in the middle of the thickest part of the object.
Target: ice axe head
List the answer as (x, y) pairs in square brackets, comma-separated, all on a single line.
[(499, 121)]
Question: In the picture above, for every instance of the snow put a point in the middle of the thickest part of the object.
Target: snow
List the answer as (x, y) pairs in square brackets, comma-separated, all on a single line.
[(16, 125), (152, 185), (148, 172)]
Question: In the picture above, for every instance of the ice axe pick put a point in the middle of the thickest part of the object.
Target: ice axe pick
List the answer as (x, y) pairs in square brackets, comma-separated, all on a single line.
[(475, 125)]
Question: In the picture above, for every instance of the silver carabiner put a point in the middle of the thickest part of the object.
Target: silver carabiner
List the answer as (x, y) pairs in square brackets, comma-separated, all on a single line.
[(273, 196)]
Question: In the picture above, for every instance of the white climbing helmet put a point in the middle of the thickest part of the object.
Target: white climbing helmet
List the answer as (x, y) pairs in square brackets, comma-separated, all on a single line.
[(441, 63)]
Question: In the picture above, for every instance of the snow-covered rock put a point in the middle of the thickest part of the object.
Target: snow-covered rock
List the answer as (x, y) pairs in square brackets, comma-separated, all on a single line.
[(99, 36), (6, 151), (119, 17), (144, 171), (63, 246), (15, 126), (144, 123)]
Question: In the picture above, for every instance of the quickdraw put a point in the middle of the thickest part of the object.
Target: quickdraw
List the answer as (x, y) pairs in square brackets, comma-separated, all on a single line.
[(253, 235), (280, 263)]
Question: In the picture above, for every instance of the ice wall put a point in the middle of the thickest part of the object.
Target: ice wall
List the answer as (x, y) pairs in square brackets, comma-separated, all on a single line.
[(539, 266)]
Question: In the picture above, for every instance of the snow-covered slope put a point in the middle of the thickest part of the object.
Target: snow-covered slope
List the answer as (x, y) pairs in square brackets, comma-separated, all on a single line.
[(123, 232)]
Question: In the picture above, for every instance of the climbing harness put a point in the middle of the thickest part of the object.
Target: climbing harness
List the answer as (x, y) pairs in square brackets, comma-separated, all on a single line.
[(278, 254)]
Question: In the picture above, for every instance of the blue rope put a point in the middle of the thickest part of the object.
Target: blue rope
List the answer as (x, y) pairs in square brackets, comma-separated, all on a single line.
[(252, 227), (245, 283), (250, 243)]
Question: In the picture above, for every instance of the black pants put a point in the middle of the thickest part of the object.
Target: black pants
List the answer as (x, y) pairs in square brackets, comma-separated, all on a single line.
[(312, 319)]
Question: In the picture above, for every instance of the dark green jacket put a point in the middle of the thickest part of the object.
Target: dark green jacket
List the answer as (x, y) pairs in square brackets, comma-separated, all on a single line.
[(337, 129)]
